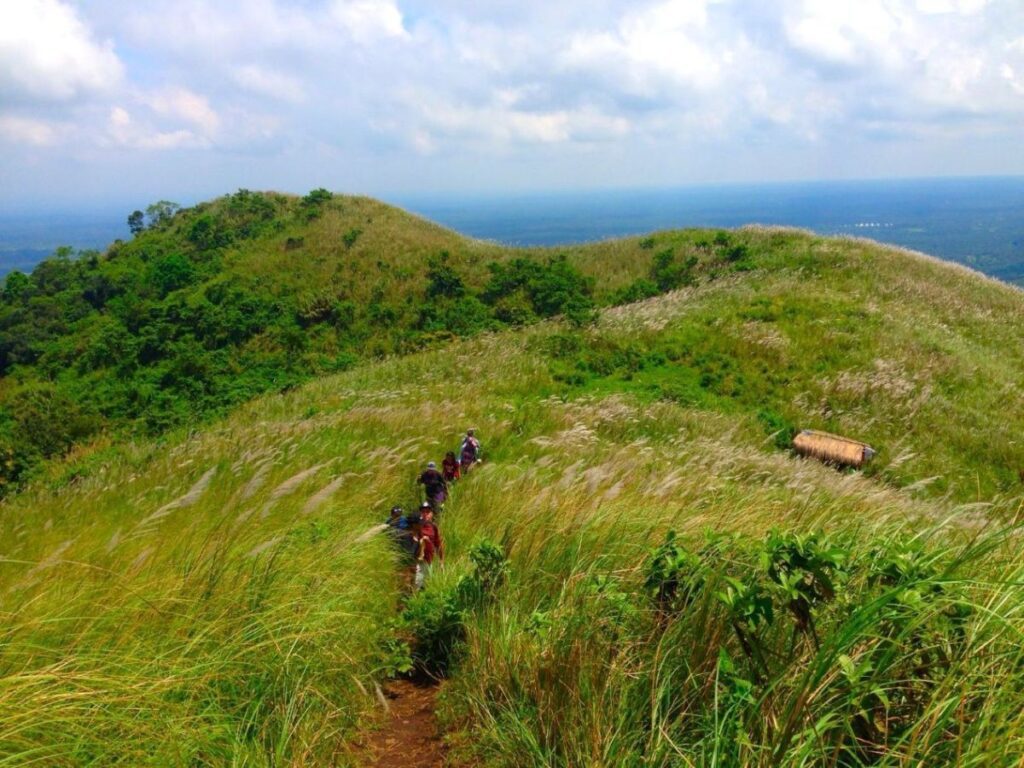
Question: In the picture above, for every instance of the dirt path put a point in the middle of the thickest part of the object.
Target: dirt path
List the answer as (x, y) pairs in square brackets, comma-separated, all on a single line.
[(409, 736)]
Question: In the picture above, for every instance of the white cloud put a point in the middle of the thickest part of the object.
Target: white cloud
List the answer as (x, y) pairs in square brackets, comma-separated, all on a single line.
[(267, 82), (25, 130), (184, 105), (845, 33), (665, 43), (48, 54), (538, 83), (963, 7), (502, 123), (369, 20), (1016, 82), (123, 130)]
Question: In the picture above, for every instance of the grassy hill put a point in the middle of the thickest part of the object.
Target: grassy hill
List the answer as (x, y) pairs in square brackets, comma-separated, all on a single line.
[(208, 306), (208, 596)]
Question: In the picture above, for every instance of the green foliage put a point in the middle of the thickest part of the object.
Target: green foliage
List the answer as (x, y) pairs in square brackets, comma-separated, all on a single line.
[(16, 284), (136, 222), (350, 237), (43, 421), (720, 669), (436, 617), (161, 212), (443, 282), (436, 620), (208, 232), (638, 290), (673, 575), (524, 289), (317, 197), (667, 274), (781, 430), (803, 569), (171, 273)]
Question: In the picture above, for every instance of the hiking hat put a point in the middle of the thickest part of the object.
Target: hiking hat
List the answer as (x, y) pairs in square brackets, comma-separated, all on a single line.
[(396, 510), (426, 505), (431, 465)]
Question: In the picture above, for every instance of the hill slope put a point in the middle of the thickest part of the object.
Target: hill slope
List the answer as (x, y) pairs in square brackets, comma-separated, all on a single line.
[(209, 598), (211, 305)]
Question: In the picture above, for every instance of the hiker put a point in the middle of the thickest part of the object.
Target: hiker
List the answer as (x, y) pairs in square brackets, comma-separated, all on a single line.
[(429, 528), (450, 467), (400, 529), (469, 453), (424, 553), (434, 484)]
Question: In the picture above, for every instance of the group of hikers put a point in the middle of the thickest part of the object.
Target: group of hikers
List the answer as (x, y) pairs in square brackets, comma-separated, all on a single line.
[(417, 534)]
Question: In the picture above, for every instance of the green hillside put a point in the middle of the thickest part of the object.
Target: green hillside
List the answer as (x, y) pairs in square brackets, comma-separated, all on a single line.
[(209, 596), (208, 306)]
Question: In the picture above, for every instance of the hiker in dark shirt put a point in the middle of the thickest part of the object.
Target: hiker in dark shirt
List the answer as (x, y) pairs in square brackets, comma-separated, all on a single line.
[(434, 484)]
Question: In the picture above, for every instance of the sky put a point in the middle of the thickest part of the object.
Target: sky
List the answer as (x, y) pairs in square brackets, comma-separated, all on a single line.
[(111, 103)]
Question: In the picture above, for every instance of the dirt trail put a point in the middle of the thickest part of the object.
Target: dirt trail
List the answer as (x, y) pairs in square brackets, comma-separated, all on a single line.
[(409, 736)]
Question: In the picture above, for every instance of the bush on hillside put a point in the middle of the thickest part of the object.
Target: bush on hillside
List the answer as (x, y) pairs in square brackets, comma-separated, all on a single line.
[(435, 618), (443, 282), (547, 289)]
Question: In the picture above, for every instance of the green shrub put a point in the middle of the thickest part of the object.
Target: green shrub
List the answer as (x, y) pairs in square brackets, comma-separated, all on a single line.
[(442, 280), (781, 430), (638, 290), (435, 618), (548, 289), (667, 274), (171, 273), (350, 237), (672, 574), (317, 197)]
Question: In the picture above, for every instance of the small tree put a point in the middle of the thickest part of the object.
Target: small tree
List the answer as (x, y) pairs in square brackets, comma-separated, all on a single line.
[(161, 212), (136, 222), (15, 286)]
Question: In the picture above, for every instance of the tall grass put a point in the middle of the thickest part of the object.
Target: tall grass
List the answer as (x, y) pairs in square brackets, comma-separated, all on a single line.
[(578, 665), (209, 599)]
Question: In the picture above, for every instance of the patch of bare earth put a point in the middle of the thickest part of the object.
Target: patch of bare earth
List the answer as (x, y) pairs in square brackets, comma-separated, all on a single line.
[(410, 736)]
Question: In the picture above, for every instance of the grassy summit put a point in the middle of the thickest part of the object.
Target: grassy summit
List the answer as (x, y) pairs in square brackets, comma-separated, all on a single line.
[(204, 597)]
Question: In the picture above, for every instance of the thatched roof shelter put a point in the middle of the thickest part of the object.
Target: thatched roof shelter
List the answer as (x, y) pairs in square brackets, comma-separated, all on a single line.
[(833, 449)]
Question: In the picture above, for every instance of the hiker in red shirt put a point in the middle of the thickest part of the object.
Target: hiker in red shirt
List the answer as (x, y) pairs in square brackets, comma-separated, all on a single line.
[(450, 467), (424, 553), (429, 529)]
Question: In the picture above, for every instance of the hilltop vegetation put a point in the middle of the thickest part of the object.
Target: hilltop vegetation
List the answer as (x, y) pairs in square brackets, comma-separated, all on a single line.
[(208, 596), (206, 307)]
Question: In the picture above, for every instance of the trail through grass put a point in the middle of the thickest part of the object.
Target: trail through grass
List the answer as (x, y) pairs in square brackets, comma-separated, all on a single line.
[(208, 598)]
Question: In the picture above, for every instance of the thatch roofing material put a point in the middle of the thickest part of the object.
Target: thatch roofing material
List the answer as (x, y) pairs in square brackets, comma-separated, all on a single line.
[(833, 449)]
